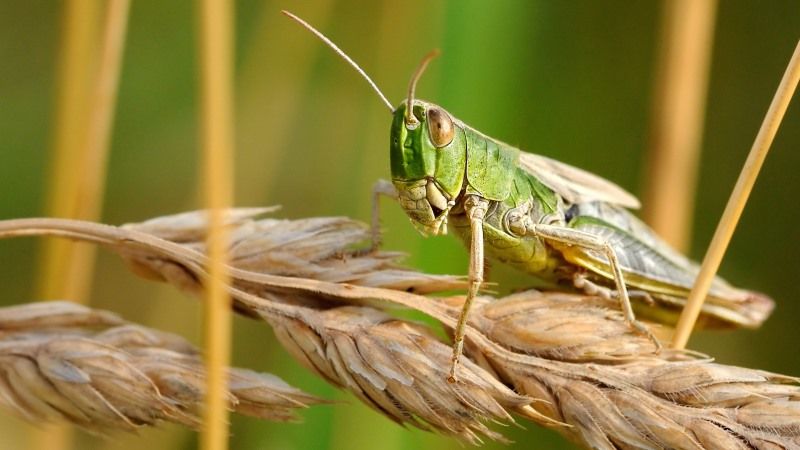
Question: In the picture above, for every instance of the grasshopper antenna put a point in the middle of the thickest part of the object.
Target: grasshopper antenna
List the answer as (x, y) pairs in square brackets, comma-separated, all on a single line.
[(342, 54), (411, 121)]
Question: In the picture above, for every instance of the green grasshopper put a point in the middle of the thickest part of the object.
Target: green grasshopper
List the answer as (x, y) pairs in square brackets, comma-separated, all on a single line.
[(546, 218)]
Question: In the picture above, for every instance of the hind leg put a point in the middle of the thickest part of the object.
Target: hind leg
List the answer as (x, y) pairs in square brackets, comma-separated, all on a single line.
[(571, 237), (582, 282)]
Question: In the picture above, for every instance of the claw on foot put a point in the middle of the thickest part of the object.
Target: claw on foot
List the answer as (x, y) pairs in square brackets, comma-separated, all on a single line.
[(458, 350), (452, 379), (646, 297), (643, 330), (376, 239)]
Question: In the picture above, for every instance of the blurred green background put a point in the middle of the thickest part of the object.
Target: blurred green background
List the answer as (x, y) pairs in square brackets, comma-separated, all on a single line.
[(571, 80)]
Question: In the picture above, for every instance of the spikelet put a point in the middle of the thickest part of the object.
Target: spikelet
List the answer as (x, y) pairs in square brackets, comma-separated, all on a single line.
[(62, 361), (565, 361)]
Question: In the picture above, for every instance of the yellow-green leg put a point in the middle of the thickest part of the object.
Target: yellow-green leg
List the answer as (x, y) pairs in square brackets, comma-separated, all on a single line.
[(475, 208)]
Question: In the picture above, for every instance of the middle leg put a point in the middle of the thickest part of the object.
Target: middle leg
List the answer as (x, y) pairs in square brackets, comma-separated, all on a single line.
[(582, 282)]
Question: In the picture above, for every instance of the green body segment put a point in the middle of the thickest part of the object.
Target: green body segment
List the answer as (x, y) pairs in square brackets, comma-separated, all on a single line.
[(433, 182), (472, 164), (489, 164), (527, 253)]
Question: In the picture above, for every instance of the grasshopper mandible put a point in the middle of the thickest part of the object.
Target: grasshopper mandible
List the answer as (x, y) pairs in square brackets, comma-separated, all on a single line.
[(546, 218)]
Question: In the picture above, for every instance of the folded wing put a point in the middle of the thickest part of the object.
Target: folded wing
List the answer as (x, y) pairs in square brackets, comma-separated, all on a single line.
[(573, 184)]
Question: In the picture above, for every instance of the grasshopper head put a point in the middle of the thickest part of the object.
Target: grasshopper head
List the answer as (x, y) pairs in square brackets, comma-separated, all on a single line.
[(428, 159), (428, 149)]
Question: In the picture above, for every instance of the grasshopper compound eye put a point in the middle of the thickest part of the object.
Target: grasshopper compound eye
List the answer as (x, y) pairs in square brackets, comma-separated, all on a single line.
[(440, 127)]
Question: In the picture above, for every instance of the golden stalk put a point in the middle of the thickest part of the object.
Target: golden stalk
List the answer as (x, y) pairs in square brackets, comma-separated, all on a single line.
[(215, 43), (101, 115), (676, 130), (564, 361), (737, 201), (76, 63), (85, 114)]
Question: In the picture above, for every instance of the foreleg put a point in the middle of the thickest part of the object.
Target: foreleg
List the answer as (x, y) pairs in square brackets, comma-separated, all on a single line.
[(475, 208), (380, 188)]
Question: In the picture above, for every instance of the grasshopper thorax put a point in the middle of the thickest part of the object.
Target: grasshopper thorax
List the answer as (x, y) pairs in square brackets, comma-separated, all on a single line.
[(428, 159)]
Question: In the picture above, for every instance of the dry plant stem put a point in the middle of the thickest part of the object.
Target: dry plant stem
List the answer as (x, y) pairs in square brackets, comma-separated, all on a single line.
[(572, 356), (101, 114), (76, 63), (737, 201), (215, 45), (62, 361), (127, 240), (687, 30), (131, 242), (81, 196), (65, 268), (458, 415)]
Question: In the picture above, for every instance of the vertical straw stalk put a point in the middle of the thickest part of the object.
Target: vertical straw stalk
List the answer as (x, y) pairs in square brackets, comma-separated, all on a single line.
[(87, 92), (215, 42), (738, 199), (76, 60), (676, 130), (101, 114)]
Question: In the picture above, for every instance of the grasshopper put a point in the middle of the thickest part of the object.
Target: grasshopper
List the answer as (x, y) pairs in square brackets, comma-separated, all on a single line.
[(554, 221)]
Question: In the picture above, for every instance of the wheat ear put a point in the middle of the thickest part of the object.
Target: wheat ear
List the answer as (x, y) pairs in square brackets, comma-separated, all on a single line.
[(561, 360), (60, 361)]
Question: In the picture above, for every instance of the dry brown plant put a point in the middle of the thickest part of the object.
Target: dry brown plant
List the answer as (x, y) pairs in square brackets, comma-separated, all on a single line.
[(60, 361), (561, 360)]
